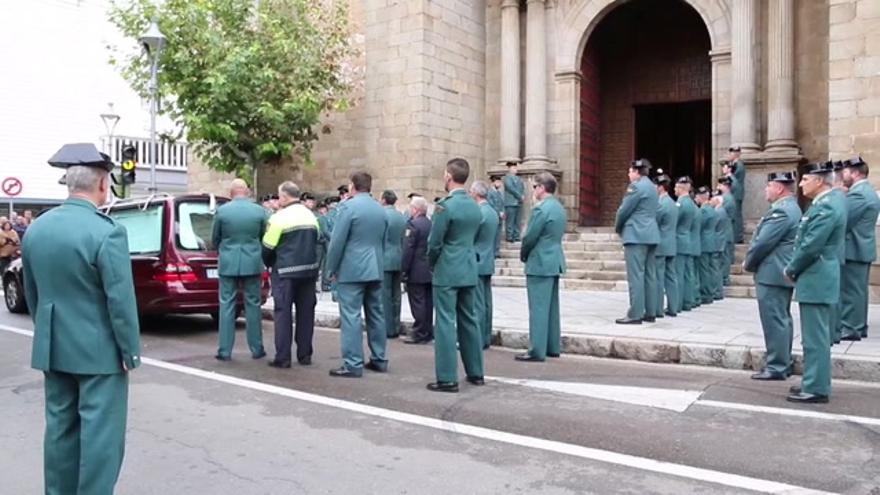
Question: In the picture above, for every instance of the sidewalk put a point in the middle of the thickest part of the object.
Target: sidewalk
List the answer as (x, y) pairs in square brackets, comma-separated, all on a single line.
[(725, 334)]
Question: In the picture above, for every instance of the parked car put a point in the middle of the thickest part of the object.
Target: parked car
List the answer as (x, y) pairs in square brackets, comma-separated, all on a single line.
[(173, 262)]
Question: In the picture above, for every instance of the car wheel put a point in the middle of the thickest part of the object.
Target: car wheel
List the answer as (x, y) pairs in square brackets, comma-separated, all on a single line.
[(14, 296)]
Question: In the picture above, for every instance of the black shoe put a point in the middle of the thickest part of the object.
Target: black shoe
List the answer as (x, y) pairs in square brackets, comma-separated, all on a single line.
[(279, 364), (306, 361), (412, 340), (852, 338), (476, 380), (767, 375), (220, 357), (344, 372), (486, 347), (552, 355), (659, 316), (527, 357), (649, 319), (628, 321), (259, 355), (794, 389), (394, 336), (803, 398), (671, 314), (451, 387), (374, 366)]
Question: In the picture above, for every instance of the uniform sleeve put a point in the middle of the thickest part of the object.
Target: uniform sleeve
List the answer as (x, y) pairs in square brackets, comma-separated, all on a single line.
[(814, 235), (114, 265), (513, 186), (630, 200), (337, 240), (856, 206), (270, 241), (437, 235), (533, 232), (772, 230)]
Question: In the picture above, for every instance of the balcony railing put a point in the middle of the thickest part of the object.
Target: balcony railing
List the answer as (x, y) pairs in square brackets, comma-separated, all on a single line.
[(170, 156)]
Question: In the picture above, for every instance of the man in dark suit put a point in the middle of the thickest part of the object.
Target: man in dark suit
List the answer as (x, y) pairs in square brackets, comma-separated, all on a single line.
[(417, 273)]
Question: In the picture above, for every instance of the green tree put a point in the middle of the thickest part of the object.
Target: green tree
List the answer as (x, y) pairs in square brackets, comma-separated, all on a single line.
[(247, 79)]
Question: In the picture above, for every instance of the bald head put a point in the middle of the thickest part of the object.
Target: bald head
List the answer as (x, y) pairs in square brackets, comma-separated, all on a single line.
[(238, 188)]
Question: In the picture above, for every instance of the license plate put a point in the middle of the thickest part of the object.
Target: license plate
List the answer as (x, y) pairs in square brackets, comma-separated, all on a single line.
[(211, 272)]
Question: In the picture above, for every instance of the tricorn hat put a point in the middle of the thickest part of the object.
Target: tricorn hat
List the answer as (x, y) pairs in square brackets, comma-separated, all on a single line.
[(413, 195), (306, 196), (781, 177), (81, 155), (343, 189), (684, 180), (725, 180), (704, 190), (734, 149), (819, 168), (641, 163), (853, 162)]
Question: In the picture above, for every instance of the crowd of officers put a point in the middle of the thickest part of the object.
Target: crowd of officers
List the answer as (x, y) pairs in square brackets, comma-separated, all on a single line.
[(678, 254)]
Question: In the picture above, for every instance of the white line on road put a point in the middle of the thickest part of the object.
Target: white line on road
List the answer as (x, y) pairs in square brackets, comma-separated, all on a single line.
[(790, 412), (641, 463)]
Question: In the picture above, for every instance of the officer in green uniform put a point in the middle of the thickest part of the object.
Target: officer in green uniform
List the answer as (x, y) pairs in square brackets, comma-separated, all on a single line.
[(738, 172), (838, 191), (496, 201), (636, 224), (729, 204), (355, 263), (667, 223), (514, 191), (861, 249), (694, 265), (324, 230), (485, 247), (723, 234), (79, 290), (239, 226), (687, 214), (453, 259), (769, 253), (395, 228), (815, 270), (709, 246)]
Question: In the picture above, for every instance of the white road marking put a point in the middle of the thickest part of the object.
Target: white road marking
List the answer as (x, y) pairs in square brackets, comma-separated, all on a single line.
[(790, 412), (605, 456)]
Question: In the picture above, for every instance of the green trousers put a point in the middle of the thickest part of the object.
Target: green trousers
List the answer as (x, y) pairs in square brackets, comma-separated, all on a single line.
[(690, 283), (641, 277), (252, 312), (707, 277), (816, 342), (84, 441), (774, 308), (545, 331), (484, 309), (667, 285), (681, 262), (352, 298), (391, 302), (729, 257), (854, 281), (722, 267), (456, 309), (511, 222)]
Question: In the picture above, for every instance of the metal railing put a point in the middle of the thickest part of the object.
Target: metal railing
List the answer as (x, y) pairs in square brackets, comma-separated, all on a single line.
[(169, 156)]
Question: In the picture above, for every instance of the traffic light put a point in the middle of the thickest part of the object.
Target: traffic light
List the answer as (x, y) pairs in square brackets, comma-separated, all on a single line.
[(129, 164)]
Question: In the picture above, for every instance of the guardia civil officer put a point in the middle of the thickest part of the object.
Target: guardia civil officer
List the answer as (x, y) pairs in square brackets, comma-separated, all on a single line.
[(79, 290), (667, 222), (815, 270), (453, 258), (769, 253), (394, 230), (709, 246), (862, 207), (485, 247), (684, 245), (417, 272), (355, 263), (514, 192), (636, 223), (541, 251), (838, 192), (723, 235), (729, 204), (496, 201), (738, 172)]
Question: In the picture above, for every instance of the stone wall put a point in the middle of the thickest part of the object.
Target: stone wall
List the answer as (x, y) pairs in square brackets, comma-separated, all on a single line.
[(811, 78)]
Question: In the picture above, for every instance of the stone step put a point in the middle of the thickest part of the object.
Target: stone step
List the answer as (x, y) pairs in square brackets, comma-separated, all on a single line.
[(590, 237), (572, 264), (607, 245), (573, 255), (569, 274), (741, 291)]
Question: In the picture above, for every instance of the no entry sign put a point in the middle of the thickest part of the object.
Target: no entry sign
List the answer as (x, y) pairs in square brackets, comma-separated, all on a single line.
[(11, 186)]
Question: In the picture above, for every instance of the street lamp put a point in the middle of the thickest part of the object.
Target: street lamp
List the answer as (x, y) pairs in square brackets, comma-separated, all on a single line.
[(153, 42), (110, 119)]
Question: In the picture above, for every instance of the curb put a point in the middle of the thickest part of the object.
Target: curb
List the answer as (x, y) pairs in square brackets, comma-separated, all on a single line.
[(657, 351)]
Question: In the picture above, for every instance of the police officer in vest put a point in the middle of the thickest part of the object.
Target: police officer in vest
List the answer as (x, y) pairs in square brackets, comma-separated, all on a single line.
[(667, 222), (79, 290), (815, 270), (636, 223), (769, 253)]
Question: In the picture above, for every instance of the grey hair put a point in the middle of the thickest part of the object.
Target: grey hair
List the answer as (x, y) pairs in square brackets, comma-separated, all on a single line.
[(82, 179), (419, 203), (480, 189), (289, 189)]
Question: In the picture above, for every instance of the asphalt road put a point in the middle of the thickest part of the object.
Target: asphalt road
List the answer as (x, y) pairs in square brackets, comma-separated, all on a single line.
[(576, 425)]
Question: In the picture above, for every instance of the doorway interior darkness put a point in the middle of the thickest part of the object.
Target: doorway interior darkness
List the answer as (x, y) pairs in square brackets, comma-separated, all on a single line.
[(676, 137)]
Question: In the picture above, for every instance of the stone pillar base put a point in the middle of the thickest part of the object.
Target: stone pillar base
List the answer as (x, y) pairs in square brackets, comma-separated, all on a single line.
[(758, 165)]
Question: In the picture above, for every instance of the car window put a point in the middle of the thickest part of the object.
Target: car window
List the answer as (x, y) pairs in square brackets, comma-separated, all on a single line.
[(195, 222), (144, 228)]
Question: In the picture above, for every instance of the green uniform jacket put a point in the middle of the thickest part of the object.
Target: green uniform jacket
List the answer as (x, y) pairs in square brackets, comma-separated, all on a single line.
[(239, 226), (815, 267), (636, 220), (696, 232), (496, 200), (485, 241), (723, 228), (710, 242), (356, 245), (772, 245), (79, 289), (729, 205), (687, 215), (451, 251), (514, 188), (667, 223), (541, 248), (862, 206), (395, 228), (738, 187)]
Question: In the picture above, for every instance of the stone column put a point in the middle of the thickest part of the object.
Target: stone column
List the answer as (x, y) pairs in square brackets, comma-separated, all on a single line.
[(780, 75), (536, 85), (744, 126), (510, 82)]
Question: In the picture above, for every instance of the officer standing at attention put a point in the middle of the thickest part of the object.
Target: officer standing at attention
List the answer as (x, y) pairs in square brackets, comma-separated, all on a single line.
[(324, 230), (729, 203), (723, 235), (542, 253), (838, 191), (514, 191), (684, 246), (485, 247), (396, 225), (355, 263), (496, 201), (636, 223), (417, 273), (694, 266), (79, 290), (738, 172), (667, 222), (709, 246), (861, 249), (815, 270), (769, 253), (453, 258), (239, 226)]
